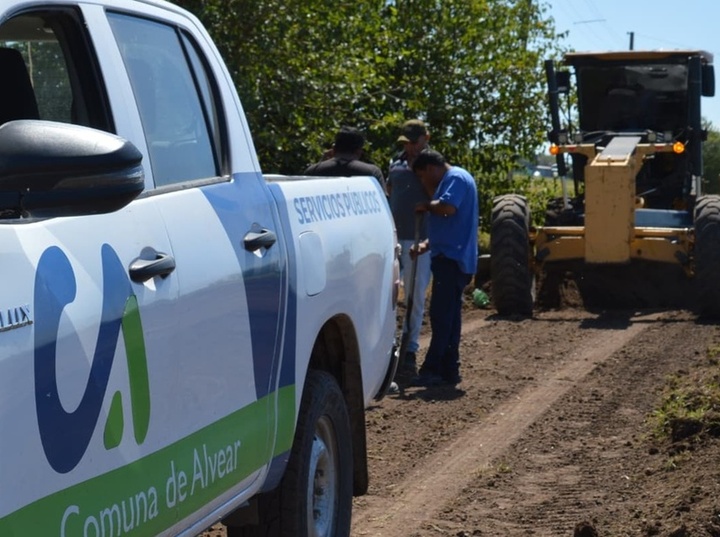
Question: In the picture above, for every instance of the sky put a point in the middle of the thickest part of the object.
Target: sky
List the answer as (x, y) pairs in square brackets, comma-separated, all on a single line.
[(655, 24)]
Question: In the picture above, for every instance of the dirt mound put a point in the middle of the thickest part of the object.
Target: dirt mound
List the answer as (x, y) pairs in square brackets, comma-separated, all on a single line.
[(638, 285)]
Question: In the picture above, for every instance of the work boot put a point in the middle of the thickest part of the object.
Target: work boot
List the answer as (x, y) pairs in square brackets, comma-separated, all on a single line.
[(409, 364), (427, 380), (452, 380)]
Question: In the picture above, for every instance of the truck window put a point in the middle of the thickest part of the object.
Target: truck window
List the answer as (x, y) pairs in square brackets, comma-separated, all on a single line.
[(178, 126), (48, 71)]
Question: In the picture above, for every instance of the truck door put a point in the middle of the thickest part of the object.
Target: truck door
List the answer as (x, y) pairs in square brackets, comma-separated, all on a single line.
[(85, 308), (218, 390)]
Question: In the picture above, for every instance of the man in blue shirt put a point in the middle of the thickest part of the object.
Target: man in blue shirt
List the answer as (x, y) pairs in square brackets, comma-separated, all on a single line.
[(453, 246)]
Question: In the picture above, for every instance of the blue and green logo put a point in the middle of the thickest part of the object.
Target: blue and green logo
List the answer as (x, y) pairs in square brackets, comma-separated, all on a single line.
[(66, 435)]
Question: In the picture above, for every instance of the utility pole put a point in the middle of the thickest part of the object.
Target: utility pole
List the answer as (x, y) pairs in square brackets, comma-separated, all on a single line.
[(632, 40)]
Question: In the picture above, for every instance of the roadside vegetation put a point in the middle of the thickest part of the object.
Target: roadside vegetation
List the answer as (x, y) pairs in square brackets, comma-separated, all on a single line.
[(690, 406)]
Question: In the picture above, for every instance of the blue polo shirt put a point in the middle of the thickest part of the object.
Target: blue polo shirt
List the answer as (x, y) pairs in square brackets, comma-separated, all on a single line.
[(456, 236)]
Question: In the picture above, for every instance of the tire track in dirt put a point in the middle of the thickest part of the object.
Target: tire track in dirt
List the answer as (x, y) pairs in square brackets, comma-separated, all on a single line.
[(444, 475), (588, 456)]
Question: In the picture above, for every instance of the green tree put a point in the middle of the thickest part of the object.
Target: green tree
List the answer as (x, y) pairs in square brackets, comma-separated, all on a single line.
[(302, 68), (472, 69)]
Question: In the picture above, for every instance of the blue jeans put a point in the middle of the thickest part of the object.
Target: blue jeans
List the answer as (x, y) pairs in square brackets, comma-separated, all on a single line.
[(422, 280), (443, 355)]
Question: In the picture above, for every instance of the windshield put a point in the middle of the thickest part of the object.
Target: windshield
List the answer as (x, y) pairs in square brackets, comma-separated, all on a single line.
[(636, 97)]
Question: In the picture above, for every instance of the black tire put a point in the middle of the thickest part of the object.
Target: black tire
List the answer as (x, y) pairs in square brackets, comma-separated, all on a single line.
[(513, 281), (318, 479), (707, 255)]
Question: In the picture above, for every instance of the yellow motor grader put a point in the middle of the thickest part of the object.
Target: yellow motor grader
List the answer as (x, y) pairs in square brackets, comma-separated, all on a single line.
[(638, 210)]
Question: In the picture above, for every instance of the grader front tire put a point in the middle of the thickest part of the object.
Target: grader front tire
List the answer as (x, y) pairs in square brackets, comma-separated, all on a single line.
[(513, 281)]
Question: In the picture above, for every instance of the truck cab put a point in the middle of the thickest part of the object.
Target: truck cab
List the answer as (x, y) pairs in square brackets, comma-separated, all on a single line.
[(652, 94)]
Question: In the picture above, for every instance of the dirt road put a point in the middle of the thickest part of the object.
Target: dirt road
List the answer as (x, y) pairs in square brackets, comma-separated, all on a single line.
[(548, 434), (456, 466)]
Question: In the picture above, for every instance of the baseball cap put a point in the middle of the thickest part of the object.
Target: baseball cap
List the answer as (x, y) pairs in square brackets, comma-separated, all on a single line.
[(412, 130)]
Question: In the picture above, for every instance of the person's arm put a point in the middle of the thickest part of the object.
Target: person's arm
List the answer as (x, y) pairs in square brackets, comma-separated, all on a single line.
[(436, 207)]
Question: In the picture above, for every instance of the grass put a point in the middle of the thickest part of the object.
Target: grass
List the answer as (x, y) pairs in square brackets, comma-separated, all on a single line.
[(538, 192), (675, 461), (690, 406), (504, 468)]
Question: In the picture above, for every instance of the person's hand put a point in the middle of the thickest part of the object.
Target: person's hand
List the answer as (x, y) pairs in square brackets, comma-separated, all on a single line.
[(422, 247), (422, 207)]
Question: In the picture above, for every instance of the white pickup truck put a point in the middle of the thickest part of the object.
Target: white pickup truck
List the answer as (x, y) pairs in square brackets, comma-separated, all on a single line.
[(182, 340)]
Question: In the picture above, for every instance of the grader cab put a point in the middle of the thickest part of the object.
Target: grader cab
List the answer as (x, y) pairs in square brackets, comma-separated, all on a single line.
[(637, 213)]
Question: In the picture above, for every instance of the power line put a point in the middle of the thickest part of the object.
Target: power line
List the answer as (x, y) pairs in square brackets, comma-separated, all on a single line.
[(581, 17), (597, 15), (659, 40), (592, 8), (584, 22)]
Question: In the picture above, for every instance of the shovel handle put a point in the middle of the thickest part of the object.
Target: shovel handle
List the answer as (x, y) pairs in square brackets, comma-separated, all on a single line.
[(409, 293)]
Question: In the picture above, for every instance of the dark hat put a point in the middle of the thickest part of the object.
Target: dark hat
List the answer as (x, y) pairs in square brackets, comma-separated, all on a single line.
[(412, 130), (349, 139)]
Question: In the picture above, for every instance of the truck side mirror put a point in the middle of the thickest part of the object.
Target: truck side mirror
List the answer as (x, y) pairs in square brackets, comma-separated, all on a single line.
[(708, 81), (50, 169), (563, 81)]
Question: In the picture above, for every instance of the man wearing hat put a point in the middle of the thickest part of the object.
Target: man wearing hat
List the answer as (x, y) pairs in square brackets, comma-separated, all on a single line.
[(345, 160), (405, 191)]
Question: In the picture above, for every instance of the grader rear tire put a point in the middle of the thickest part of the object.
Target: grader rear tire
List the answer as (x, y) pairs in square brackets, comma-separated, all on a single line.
[(513, 281), (707, 255)]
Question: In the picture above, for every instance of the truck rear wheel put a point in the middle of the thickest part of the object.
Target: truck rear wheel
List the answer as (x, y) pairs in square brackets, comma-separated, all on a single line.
[(314, 498), (513, 281), (707, 255)]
